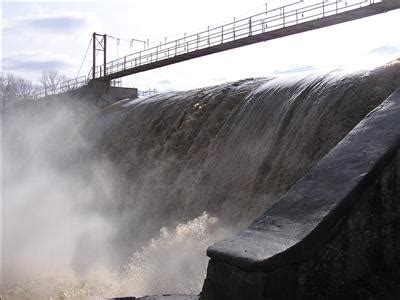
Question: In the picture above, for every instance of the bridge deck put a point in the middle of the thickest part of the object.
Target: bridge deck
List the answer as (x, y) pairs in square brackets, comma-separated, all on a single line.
[(284, 21), (269, 25)]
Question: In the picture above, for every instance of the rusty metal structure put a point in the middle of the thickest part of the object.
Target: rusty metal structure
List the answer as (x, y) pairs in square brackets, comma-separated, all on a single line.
[(99, 44), (287, 20)]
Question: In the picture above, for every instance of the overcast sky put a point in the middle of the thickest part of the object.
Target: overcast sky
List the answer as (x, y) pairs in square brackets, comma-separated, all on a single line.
[(54, 35)]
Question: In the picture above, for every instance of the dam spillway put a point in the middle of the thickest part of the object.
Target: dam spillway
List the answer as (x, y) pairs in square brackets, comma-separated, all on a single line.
[(231, 150)]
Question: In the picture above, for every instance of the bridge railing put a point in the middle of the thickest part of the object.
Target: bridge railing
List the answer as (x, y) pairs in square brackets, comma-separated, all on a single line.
[(267, 21), (285, 16), (61, 87), (149, 92)]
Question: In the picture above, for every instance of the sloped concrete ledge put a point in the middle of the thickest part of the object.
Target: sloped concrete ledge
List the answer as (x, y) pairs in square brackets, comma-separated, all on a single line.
[(310, 232), (99, 93), (163, 297)]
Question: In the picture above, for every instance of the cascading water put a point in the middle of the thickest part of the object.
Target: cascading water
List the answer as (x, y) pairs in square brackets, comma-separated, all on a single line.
[(126, 200)]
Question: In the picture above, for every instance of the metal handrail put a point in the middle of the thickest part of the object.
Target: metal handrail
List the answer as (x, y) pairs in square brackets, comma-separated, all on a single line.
[(277, 18), (62, 87), (149, 92), (261, 23)]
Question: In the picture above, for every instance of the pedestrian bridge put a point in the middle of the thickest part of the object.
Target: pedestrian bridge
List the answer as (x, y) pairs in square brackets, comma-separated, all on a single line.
[(301, 16)]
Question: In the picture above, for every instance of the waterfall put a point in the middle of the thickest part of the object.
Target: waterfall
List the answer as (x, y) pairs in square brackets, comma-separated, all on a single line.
[(125, 200)]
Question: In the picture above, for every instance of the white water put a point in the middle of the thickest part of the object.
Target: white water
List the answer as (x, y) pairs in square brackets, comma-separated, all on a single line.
[(174, 261), (114, 206)]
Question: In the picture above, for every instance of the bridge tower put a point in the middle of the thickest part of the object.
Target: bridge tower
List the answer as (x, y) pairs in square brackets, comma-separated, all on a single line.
[(99, 44)]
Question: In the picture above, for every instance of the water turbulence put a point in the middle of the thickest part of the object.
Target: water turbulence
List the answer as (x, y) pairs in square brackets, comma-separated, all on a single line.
[(125, 199)]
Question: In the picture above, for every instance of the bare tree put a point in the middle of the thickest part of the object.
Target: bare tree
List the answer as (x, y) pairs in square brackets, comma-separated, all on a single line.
[(24, 88), (8, 88), (15, 88), (50, 80)]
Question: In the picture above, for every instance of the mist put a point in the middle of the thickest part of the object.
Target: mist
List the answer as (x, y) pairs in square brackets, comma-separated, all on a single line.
[(63, 229), (124, 199)]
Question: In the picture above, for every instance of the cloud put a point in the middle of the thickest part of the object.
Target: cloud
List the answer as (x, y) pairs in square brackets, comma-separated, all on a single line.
[(164, 82), (295, 69), (64, 23), (385, 50), (36, 62)]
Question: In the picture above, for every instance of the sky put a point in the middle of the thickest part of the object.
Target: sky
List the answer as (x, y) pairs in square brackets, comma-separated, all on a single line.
[(38, 36)]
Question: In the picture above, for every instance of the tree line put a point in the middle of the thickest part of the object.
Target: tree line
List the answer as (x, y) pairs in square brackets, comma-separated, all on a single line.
[(13, 87)]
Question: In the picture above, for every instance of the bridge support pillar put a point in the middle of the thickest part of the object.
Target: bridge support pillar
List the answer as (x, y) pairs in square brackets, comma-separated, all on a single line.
[(99, 84), (99, 44)]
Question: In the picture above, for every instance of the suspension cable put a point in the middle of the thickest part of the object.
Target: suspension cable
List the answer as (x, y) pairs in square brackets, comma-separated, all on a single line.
[(84, 58), (125, 40)]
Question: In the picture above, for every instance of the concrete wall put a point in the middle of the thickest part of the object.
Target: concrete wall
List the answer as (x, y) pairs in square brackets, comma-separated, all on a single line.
[(335, 234), (109, 94), (98, 93)]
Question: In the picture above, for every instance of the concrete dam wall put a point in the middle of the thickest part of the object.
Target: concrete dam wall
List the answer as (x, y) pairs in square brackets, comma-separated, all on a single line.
[(334, 235), (169, 175)]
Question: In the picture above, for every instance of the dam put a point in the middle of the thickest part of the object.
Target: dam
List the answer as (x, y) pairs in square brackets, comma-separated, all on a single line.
[(319, 155), (284, 186)]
